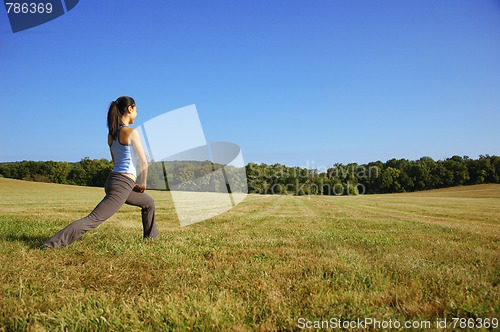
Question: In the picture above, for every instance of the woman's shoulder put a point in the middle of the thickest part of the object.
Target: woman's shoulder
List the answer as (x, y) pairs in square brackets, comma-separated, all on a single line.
[(130, 134), (127, 130), (125, 134)]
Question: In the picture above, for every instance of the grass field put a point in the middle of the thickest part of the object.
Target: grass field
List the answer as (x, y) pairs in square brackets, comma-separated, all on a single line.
[(271, 263)]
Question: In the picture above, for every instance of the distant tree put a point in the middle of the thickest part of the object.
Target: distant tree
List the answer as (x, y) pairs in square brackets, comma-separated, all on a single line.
[(477, 175), (370, 179), (156, 176), (77, 175), (56, 172), (457, 167), (495, 160), (405, 179), (486, 163), (7, 170), (389, 180)]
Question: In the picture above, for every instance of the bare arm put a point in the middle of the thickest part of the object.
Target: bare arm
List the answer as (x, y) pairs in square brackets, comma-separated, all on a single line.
[(135, 140)]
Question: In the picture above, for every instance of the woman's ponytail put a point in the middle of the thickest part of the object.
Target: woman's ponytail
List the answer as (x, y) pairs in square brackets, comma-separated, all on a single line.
[(116, 110), (113, 119)]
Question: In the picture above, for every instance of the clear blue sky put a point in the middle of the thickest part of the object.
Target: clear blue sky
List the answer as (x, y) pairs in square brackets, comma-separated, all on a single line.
[(296, 82)]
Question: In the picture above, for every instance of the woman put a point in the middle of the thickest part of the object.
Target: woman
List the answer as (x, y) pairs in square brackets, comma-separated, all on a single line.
[(120, 186)]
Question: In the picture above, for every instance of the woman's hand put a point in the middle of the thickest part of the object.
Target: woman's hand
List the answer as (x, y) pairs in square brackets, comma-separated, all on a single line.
[(140, 188)]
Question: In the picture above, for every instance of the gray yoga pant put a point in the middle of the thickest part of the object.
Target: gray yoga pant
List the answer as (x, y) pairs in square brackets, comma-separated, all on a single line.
[(119, 190)]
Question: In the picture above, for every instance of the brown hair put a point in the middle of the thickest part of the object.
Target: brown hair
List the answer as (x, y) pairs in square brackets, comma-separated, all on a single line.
[(116, 110)]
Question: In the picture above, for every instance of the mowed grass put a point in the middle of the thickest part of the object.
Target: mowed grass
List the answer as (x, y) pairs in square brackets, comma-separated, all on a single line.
[(263, 265)]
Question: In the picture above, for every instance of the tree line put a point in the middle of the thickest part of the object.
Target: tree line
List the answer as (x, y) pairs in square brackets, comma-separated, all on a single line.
[(86, 172), (392, 176)]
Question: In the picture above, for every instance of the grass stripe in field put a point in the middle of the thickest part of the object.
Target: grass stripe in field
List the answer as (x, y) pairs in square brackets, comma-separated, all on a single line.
[(260, 266)]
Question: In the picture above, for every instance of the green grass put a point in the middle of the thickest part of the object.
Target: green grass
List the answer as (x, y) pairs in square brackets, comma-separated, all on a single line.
[(260, 266)]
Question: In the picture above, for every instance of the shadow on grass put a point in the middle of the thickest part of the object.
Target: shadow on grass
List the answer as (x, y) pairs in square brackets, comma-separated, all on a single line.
[(32, 241)]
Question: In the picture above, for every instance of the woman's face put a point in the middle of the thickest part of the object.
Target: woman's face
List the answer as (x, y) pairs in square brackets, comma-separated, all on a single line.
[(133, 113)]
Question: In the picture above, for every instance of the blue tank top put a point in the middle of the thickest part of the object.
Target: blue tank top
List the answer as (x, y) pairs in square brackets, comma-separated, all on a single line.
[(123, 155)]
